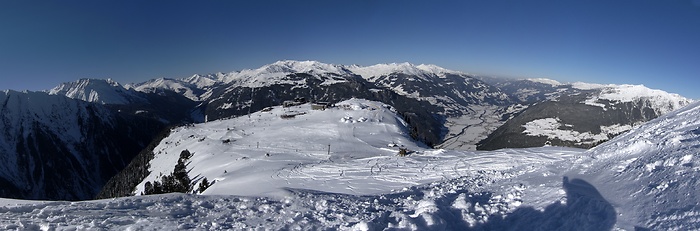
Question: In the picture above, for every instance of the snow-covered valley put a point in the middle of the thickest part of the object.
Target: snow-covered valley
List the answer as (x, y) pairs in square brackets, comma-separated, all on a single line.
[(274, 170)]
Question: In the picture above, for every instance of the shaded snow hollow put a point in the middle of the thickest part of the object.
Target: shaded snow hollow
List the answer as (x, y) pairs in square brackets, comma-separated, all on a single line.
[(646, 178)]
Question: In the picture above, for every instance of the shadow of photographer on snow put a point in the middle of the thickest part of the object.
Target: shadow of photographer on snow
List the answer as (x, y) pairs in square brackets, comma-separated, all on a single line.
[(585, 209)]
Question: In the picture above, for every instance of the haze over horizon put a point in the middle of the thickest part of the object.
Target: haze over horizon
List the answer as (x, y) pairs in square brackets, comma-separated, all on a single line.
[(650, 42)]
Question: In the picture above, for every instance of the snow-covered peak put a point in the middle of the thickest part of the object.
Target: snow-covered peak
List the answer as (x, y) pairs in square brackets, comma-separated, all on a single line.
[(422, 70), (588, 86), (86, 82), (291, 66), (661, 101), (628, 93), (199, 87), (104, 91), (275, 72), (434, 69), (181, 86), (546, 81), (203, 81)]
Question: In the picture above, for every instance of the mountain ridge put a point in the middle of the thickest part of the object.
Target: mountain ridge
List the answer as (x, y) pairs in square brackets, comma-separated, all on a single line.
[(55, 147), (466, 108), (104, 91)]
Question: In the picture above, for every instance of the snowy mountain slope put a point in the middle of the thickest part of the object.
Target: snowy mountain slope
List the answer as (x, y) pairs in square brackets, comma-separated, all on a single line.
[(437, 85), (364, 137), (200, 87), (471, 108), (579, 114), (162, 104), (651, 173), (449, 109), (462, 111), (643, 179), (238, 100), (97, 91), (443, 205), (54, 147), (196, 87), (529, 91), (660, 101), (601, 95), (362, 185), (275, 73), (176, 85), (423, 71), (453, 96)]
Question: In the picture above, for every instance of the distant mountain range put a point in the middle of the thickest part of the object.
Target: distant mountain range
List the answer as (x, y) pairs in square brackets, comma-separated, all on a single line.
[(576, 114), (65, 143)]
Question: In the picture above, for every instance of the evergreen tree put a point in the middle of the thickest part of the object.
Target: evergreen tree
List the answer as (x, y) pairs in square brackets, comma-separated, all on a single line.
[(177, 181), (203, 185), (157, 187), (148, 188), (185, 155)]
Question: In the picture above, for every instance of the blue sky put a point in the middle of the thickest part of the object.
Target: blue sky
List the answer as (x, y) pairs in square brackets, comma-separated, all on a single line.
[(650, 42)]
